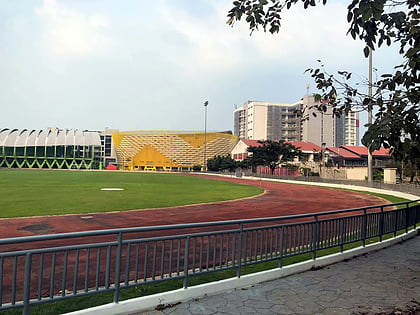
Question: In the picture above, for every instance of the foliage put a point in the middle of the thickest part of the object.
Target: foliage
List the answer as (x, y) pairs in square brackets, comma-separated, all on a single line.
[(272, 153), (196, 168), (220, 163), (395, 97)]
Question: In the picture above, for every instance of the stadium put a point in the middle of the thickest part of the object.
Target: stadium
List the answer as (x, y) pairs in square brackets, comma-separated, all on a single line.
[(56, 148)]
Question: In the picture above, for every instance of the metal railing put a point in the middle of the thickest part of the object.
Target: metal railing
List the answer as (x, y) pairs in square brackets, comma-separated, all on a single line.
[(47, 268), (410, 188)]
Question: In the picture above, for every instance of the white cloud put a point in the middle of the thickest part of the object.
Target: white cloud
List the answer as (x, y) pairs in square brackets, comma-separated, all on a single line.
[(69, 32), (305, 35)]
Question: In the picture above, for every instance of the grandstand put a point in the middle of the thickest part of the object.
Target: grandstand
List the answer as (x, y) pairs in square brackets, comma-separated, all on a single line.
[(169, 150)]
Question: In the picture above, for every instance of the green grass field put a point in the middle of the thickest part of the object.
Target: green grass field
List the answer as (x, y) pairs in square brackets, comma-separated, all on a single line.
[(46, 192)]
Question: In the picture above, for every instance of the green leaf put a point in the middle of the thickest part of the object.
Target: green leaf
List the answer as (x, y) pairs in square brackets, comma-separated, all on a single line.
[(366, 51)]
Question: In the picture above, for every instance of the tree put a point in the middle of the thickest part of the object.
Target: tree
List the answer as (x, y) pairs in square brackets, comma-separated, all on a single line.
[(221, 163), (273, 153), (396, 96)]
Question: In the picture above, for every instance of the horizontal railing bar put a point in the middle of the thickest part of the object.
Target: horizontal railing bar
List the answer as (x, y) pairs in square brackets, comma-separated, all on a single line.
[(178, 236), (57, 249)]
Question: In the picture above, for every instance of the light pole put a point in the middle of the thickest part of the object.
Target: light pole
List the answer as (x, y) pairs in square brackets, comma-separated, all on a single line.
[(205, 136)]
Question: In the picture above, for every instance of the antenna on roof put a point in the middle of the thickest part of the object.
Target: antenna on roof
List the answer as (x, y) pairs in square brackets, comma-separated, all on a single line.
[(307, 89)]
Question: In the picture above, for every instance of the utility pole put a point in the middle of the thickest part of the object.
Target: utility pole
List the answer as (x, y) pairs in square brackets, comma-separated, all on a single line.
[(370, 160)]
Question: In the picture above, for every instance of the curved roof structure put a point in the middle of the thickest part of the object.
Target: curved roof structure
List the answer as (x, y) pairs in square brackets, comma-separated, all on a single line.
[(48, 137)]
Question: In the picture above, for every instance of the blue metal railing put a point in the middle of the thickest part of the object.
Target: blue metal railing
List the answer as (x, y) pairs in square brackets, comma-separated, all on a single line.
[(47, 268)]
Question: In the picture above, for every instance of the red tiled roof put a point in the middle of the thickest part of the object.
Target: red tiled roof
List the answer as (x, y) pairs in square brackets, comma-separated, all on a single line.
[(306, 146), (363, 151), (343, 153), (251, 143)]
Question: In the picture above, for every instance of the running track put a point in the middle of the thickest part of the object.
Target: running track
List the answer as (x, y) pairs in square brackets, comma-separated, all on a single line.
[(279, 199)]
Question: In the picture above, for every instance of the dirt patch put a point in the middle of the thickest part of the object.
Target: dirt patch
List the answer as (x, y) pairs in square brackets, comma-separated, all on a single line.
[(38, 228)]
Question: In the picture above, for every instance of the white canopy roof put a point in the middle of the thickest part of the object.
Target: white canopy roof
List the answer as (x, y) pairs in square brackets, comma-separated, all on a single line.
[(48, 137)]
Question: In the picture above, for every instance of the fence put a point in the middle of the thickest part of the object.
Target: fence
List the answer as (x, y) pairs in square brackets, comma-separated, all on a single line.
[(410, 188), (47, 268)]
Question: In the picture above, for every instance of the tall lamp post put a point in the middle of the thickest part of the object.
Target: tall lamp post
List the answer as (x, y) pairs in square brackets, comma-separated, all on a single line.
[(205, 136)]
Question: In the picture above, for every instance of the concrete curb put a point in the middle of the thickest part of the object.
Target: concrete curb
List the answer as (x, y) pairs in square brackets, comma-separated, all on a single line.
[(146, 303)]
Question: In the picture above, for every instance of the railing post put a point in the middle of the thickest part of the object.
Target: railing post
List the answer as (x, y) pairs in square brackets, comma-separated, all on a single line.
[(186, 257), (364, 227), (315, 237), (118, 268), (343, 234), (238, 268), (281, 248), (27, 284), (407, 216), (396, 212), (381, 223)]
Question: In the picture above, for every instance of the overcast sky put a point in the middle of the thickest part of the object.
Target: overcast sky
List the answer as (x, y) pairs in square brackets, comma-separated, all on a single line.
[(149, 65)]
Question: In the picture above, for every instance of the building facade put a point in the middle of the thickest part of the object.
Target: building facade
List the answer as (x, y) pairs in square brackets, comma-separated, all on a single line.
[(169, 150), (52, 148), (277, 121), (55, 148)]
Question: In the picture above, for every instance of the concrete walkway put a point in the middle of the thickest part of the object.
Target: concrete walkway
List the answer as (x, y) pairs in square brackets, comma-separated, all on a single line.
[(383, 282)]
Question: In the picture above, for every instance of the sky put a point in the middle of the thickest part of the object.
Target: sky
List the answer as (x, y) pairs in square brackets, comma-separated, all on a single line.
[(151, 65)]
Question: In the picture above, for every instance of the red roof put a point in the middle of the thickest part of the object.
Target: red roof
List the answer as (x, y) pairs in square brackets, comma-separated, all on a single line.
[(303, 146), (306, 146), (251, 143), (363, 151), (343, 153)]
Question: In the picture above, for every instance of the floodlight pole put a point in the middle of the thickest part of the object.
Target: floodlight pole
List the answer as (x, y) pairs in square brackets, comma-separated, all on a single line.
[(370, 159), (205, 136)]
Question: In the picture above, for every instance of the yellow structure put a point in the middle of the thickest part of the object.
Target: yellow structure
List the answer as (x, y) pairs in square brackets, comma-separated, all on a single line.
[(169, 150)]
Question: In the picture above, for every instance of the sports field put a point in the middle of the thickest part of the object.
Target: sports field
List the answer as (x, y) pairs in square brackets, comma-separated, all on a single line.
[(47, 192)]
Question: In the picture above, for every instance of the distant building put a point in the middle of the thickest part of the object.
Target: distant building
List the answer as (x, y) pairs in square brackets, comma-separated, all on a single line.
[(278, 121), (52, 148), (308, 149), (55, 148), (169, 150), (356, 156)]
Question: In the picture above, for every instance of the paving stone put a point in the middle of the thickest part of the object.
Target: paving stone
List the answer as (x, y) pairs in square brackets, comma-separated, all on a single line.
[(283, 309), (258, 304), (247, 310), (215, 301)]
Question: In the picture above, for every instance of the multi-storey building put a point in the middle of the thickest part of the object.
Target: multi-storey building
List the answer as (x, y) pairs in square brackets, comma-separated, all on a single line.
[(267, 121), (277, 121)]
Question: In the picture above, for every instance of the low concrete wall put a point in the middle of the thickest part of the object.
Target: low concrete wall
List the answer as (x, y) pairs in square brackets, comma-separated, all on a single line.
[(351, 173)]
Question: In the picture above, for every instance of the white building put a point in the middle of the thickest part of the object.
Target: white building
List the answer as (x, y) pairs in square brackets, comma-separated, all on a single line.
[(278, 121)]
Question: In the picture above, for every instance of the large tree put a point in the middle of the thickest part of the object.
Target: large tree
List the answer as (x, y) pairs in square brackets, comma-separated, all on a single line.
[(273, 153), (395, 96)]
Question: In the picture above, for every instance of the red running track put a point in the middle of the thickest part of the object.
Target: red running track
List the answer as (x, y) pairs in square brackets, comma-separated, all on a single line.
[(279, 199)]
